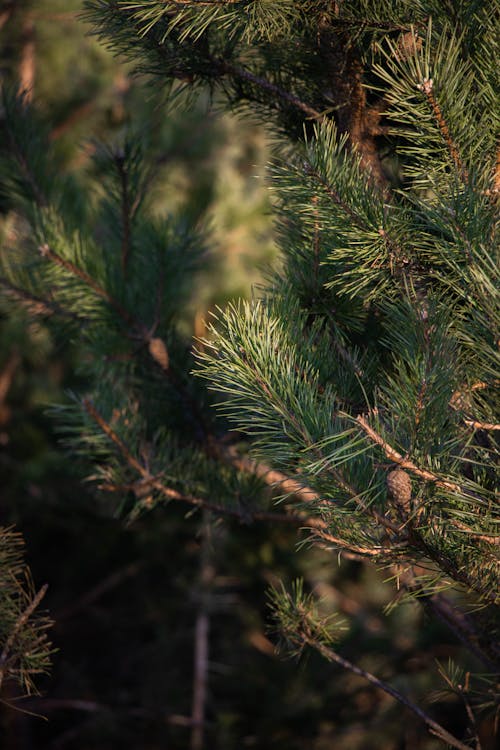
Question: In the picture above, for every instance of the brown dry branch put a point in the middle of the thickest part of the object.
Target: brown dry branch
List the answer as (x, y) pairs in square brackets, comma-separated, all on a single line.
[(7, 12), (481, 425), (7, 374), (345, 90)]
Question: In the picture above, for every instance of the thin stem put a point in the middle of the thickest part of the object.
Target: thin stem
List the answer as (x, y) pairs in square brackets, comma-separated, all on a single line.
[(427, 88), (393, 455), (69, 266), (154, 482), (434, 727), (457, 621), (405, 463), (37, 305), (201, 644), (126, 212), (271, 88)]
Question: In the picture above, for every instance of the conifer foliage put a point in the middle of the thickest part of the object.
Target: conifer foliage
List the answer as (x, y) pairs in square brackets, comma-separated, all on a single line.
[(362, 382)]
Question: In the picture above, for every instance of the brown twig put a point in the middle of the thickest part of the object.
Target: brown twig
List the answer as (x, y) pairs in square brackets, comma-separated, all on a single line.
[(439, 605), (481, 425), (435, 728), (154, 482), (7, 374), (427, 88), (201, 643), (68, 265), (405, 463), (37, 305), (271, 88)]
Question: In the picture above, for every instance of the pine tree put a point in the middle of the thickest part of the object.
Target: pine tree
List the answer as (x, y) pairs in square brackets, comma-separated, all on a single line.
[(361, 383)]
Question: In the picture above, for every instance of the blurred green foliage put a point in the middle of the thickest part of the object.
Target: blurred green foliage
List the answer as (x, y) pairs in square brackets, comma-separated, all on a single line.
[(124, 598)]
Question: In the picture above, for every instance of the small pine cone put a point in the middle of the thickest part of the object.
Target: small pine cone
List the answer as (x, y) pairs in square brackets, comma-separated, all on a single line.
[(408, 45), (399, 490), (159, 352)]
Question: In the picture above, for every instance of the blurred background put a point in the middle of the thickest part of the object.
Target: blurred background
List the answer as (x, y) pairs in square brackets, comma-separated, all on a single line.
[(124, 596)]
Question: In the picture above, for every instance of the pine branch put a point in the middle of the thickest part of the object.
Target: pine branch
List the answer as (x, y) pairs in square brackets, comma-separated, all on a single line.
[(306, 495), (150, 482), (427, 475), (18, 626), (242, 74), (426, 86), (393, 455), (68, 265), (126, 210), (38, 305)]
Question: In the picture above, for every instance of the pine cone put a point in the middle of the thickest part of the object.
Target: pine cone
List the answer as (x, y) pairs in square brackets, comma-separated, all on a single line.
[(159, 352), (399, 490), (408, 45)]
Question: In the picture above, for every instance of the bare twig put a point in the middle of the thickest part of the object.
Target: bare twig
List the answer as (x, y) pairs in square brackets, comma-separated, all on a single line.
[(482, 425), (435, 728), (201, 645), (7, 374), (271, 88)]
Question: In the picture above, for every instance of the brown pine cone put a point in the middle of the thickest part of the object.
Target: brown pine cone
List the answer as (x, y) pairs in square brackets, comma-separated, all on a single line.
[(399, 490)]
